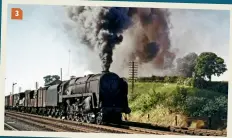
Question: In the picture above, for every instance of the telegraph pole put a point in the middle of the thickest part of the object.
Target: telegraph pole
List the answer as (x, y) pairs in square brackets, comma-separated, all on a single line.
[(69, 62), (36, 85), (133, 73), (61, 74), (20, 89), (13, 88)]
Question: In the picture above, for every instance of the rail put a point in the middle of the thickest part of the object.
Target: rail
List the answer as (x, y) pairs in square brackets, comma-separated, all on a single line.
[(59, 125), (10, 127)]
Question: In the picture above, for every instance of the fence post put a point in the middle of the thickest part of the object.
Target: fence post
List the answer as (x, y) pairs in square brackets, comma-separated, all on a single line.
[(148, 117), (125, 117), (176, 120), (210, 122)]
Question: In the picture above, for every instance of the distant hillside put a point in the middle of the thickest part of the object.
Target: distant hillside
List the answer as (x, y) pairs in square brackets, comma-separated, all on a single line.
[(163, 101)]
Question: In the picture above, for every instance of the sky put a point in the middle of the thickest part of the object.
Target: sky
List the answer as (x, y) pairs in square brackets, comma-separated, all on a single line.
[(38, 45)]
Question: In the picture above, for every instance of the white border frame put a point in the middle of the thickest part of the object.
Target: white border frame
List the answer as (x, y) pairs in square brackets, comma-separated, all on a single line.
[(97, 3)]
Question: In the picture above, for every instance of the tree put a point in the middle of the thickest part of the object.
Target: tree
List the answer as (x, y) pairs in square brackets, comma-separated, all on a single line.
[(209, 64), (50, 78), (186, 65)]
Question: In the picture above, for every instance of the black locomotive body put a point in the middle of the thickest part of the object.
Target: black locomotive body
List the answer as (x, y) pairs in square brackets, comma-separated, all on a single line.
[(95, 98)]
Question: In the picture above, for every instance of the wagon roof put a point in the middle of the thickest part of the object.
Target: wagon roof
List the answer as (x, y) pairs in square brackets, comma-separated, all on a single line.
[(53, 87), (27, 91), (21, 93)]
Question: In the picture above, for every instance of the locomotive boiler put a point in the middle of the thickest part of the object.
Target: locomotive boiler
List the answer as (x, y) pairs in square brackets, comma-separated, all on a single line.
[(95, 98)]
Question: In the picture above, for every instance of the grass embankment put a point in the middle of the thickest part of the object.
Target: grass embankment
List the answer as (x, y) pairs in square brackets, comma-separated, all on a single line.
[(164, 101)]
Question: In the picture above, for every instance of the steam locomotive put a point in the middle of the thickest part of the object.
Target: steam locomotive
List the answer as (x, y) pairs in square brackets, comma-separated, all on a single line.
[(95, 98)]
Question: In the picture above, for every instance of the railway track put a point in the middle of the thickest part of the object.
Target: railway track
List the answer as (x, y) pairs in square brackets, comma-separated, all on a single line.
[(59, 125), (9, 127), (188, 131)]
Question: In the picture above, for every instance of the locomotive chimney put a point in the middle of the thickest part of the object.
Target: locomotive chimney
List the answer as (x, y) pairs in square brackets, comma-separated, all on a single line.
[(105, 71), (61, 74), (20, 89), (36, 85)]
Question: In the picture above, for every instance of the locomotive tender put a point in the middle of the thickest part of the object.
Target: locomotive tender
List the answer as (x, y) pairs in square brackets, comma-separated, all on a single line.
[(95, 98)]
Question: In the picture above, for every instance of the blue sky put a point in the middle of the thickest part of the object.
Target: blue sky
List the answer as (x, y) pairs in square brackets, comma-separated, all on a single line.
[(37, 45)]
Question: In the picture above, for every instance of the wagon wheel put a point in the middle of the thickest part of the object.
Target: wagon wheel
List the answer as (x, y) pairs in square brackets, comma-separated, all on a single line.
[(69, 117), (84, 117), (59, 115), (99, 119), (80, 119), (73, 118), (88, 118)]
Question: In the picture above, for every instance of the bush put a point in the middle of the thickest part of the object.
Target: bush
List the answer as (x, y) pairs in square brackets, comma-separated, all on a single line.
[(189, 82), (221, 87), (192, 105), (215, 107), (176, 100), (181, 101), (167, 79), (148, 100), (157, 78), (170, 79)]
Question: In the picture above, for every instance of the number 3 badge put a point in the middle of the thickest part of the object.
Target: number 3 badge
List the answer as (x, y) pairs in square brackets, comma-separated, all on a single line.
[(16, 14)]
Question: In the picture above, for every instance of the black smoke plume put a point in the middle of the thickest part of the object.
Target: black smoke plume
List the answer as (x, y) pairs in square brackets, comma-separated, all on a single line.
[(101, 27)]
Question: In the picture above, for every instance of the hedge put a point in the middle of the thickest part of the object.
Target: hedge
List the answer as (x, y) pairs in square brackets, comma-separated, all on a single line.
[(218, 86), (221, 87)]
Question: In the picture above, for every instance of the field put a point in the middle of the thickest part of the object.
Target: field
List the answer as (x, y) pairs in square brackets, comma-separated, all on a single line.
[(171, 104)]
